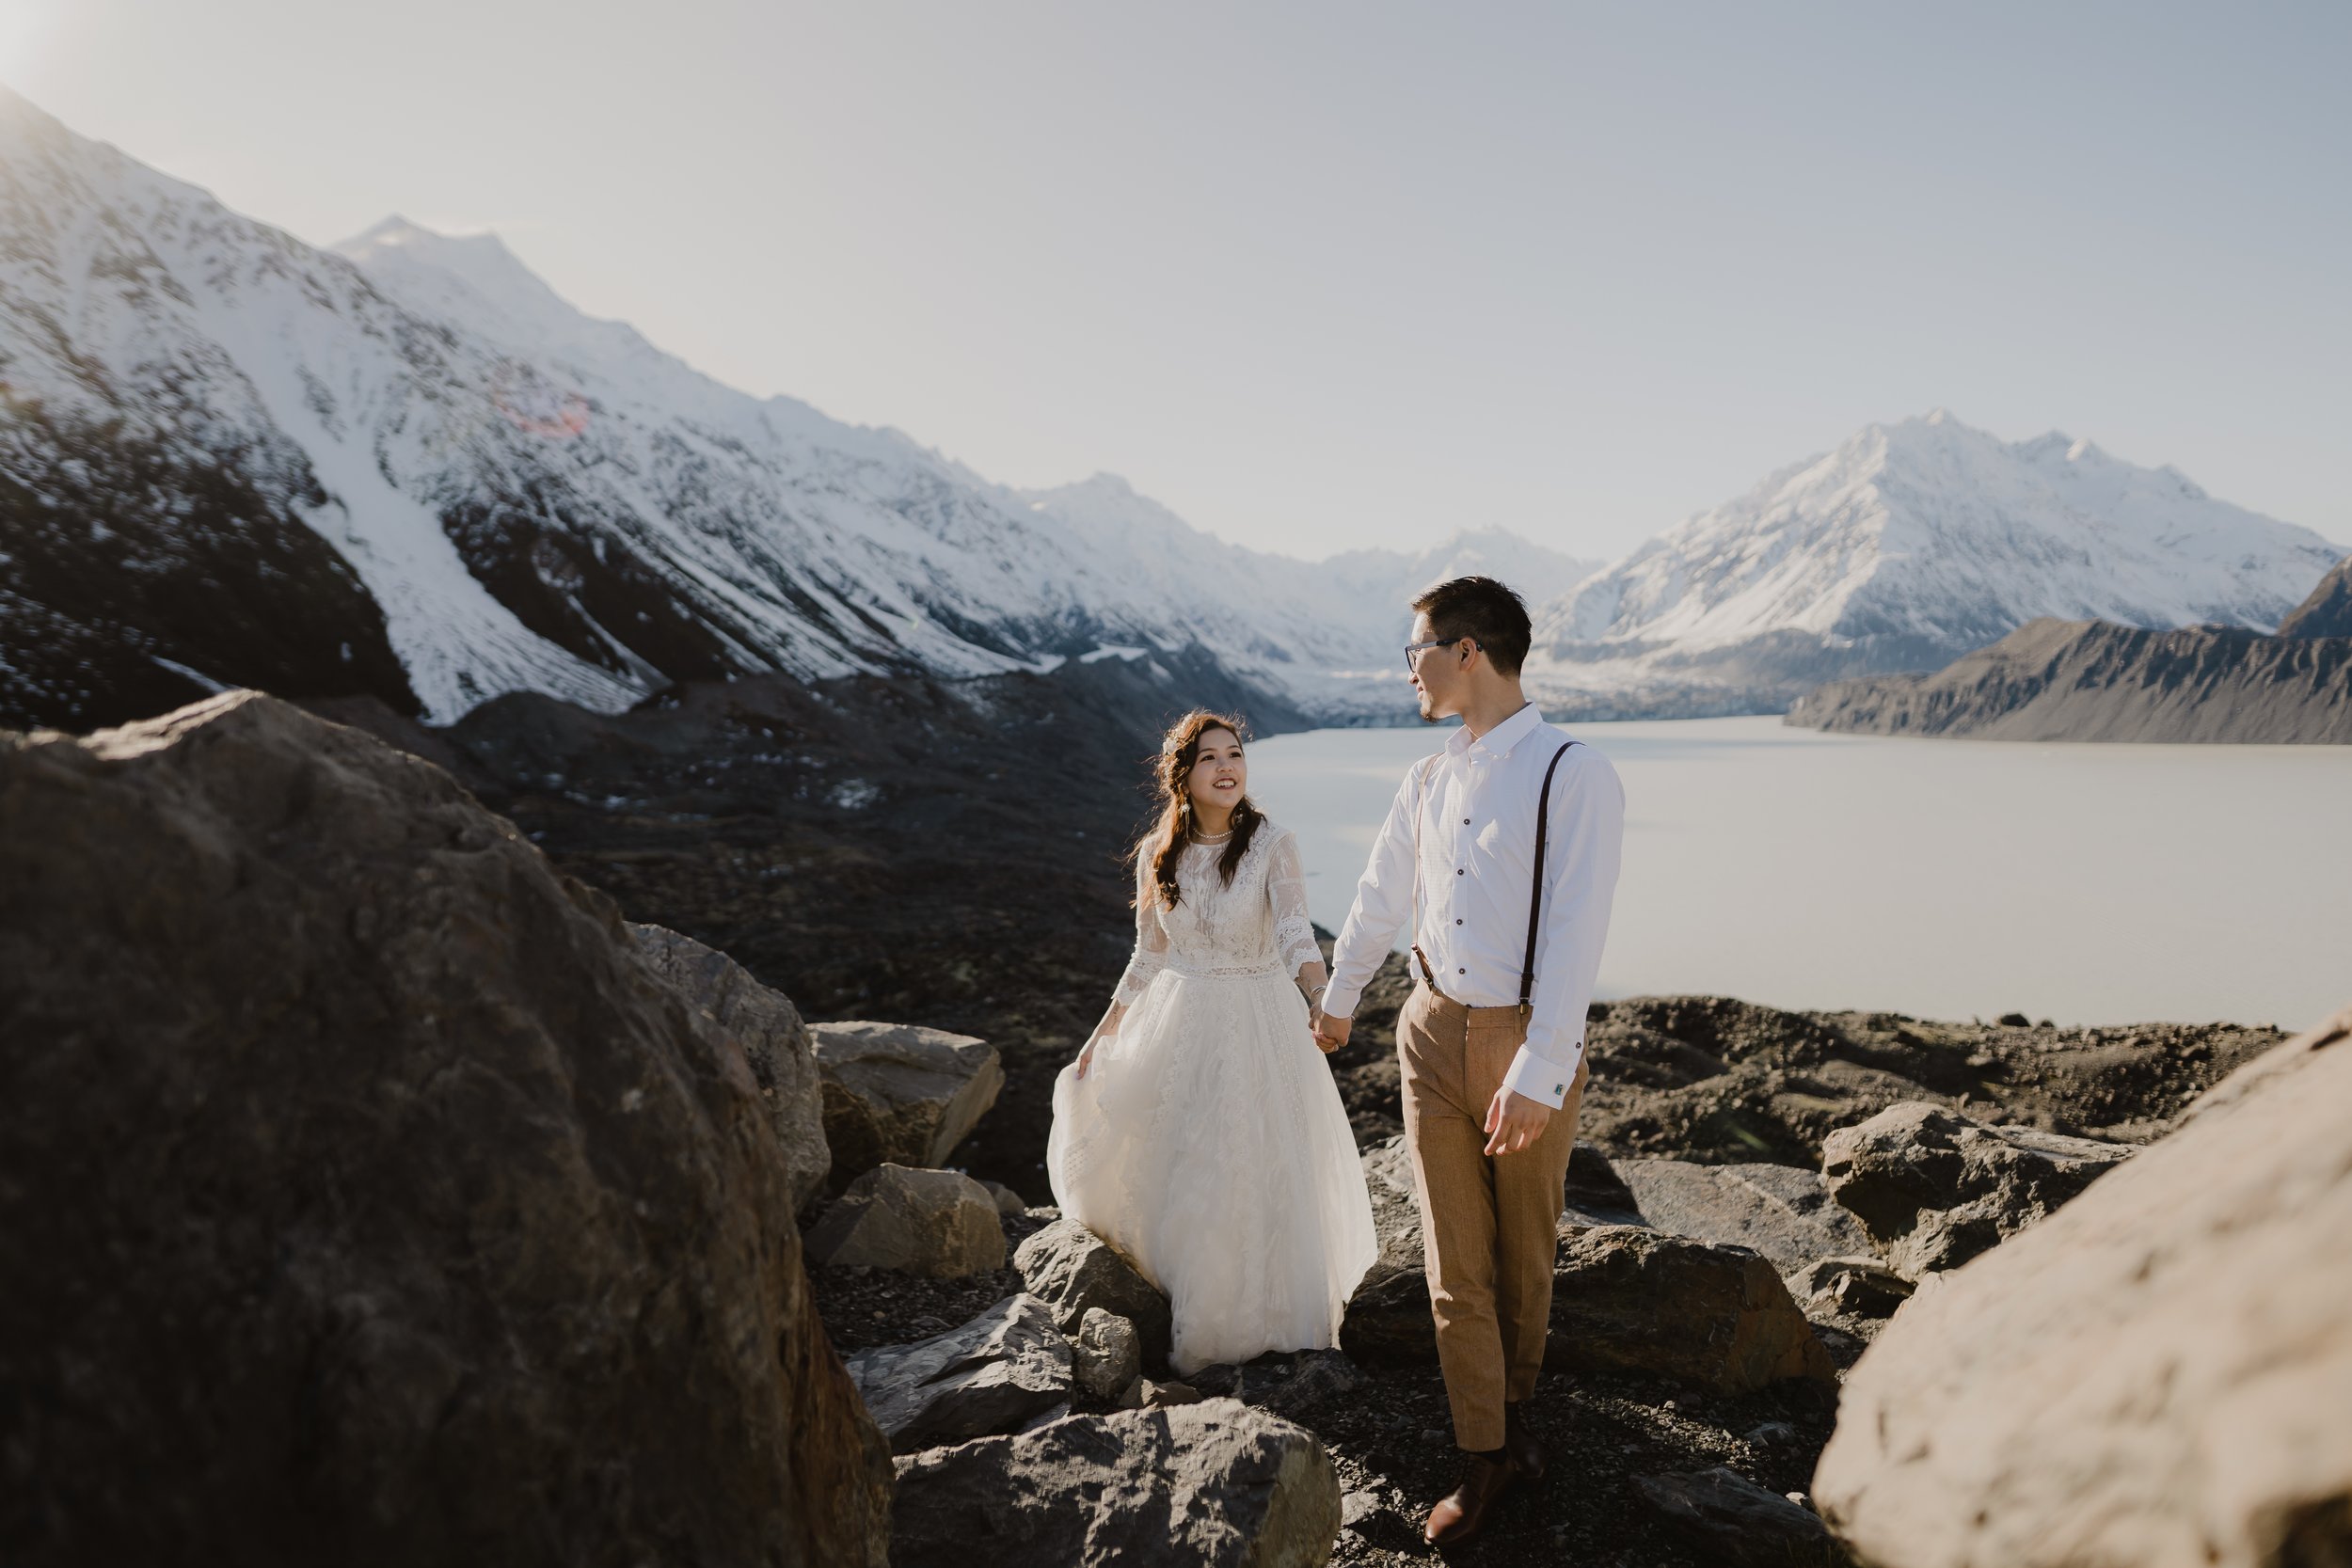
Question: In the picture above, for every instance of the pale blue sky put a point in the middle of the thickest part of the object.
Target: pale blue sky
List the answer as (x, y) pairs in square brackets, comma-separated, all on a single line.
[(1321, 275)]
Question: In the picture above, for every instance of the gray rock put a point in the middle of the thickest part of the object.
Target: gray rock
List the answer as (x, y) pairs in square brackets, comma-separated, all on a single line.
[(939, 1222), (1215, 1484), (1783, 1211), (1109, 1354), (1935, 1189), (2158, 1374), (899, 1093), (1070, 1268), (1728, 1519), (1004, 1369), (1009, 1203), (1622, 1296), (1715, 1317), (767, 1029), (1848, 1288), (364, 1194)]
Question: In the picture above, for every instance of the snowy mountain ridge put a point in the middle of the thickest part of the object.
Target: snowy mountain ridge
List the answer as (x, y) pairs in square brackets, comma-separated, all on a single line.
[(407, 466), (496, 492), (1913, 543)]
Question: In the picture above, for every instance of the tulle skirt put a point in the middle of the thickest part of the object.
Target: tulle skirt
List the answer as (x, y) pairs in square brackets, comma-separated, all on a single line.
[(1207, 1142)]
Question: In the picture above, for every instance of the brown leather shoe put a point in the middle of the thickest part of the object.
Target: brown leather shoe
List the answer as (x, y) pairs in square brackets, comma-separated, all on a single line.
[(1526, 1451), (1462, 1512)]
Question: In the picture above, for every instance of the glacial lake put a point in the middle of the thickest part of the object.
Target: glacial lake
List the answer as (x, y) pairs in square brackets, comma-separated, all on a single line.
[(2092, 884)]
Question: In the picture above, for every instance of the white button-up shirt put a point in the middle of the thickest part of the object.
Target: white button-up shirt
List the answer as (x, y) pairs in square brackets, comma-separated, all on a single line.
[(1471, 809)]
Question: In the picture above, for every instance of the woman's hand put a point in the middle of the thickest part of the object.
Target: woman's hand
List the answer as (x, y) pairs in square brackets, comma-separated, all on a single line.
[(1086, 1057)]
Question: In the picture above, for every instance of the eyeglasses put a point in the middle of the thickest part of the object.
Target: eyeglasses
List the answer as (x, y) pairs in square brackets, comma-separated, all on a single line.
[(1414, 650)]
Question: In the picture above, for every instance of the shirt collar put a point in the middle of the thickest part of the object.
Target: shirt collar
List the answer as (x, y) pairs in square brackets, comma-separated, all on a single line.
[(1501, 740)]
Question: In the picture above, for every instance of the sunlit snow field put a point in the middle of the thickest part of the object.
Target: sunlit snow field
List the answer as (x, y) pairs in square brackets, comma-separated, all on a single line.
[(1951, 878)]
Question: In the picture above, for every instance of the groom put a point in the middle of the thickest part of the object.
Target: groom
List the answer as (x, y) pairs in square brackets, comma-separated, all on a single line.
[(1492, 1040)]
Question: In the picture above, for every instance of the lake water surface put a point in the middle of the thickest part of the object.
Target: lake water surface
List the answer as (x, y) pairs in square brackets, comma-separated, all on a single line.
[(1945, 879)]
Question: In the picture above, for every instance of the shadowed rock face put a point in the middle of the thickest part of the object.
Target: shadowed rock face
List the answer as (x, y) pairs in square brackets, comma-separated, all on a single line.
[(767, 1029), (2088, 680), (2158, 1374), (2328, 610), (365, 1198)]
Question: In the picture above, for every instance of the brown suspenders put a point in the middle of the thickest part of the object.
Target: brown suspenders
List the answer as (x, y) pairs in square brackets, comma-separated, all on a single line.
[(1534, 897)]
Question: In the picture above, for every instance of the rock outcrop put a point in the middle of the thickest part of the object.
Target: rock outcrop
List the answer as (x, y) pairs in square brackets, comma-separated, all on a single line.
[(939, 1222), (993, 1375), (1935, 1189), (1715, 1317), (899, 1093), (1071, 1270), (2091, 680), (1623, 1296), (1108, 1355), (767, 1028), (2328, 612), (1738, 1523), (1214, 1485), (1846, 1288), (1783, 1211), (365, 1196), (2160, 1374)]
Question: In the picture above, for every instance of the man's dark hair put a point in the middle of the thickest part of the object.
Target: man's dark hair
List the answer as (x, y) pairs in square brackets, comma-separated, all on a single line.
[(1484, 611)]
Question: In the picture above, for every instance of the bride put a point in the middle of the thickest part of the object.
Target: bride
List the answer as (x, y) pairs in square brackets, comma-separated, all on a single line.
[(1199, 1130)]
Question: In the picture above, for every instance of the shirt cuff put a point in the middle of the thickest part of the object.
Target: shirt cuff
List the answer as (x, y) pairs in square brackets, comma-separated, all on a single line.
[(1542, 1079), (1340, 1001)]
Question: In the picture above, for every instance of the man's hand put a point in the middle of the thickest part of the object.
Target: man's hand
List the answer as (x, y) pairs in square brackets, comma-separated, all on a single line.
[(1330, 1032), (1513, 1121)]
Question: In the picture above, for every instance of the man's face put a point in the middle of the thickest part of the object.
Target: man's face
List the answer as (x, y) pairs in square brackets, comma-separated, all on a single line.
[(1437, 677)]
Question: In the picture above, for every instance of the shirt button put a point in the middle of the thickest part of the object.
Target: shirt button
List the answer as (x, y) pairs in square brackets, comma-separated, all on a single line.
[(1457, 871), (1465, 822), (1458, 923), (1461, 972)]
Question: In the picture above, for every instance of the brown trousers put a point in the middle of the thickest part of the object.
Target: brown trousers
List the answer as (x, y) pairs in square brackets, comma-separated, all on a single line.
[(1489, 1227)]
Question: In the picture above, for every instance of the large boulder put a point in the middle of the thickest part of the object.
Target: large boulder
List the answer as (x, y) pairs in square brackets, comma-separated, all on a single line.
[(366, 1197), (1214, 1485), (1623, 1296), (767, 1028), (900, 1093), (993, 1375), (1935, 1189), (1783, 1211), (1072, 1269), (939, 1222), (2160, 1374), (1710, 1316)]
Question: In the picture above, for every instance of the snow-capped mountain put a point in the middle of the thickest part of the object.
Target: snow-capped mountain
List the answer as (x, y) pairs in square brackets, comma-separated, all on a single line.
[(1909, 546), (407, 466)]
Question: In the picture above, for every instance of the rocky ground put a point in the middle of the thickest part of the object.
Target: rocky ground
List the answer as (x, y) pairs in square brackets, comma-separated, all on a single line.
[(957, 863)]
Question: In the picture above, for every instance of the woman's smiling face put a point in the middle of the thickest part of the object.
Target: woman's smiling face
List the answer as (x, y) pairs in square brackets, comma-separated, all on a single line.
[(1220, 774)]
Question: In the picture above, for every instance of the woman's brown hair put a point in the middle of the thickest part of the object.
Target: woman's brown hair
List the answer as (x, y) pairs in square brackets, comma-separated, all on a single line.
[(1163, 842)]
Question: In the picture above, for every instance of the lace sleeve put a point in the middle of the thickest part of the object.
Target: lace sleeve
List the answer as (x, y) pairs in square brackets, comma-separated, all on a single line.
[(1286, 887), (1150, 954)]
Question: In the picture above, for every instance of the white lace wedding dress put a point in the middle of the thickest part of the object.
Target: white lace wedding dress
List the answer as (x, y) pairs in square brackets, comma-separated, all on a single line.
[(1207, 1141)]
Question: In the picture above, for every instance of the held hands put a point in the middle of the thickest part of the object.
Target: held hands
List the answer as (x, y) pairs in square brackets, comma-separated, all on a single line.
[(1513, 1121), (1330, 1032)]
